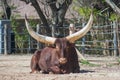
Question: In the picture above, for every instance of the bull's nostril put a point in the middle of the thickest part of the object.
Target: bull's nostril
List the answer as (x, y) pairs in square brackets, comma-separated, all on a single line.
[(62, 60)]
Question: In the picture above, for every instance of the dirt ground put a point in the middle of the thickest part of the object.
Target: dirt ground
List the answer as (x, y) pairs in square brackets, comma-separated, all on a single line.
[(16, 67)]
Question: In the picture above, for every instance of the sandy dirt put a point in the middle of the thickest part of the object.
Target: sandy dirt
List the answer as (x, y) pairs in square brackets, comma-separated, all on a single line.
[(17, 67)]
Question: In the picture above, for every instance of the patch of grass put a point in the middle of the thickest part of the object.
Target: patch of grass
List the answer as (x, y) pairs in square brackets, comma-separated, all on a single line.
[(85, 62), (118, 61), (110, 65), (113, 64)]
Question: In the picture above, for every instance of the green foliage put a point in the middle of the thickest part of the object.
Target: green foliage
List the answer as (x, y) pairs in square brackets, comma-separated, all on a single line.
[(33, 23), (114, 17), (1, 14), (102, 12), (118, 61), (83, 11), (85, 62), (20, 38), (14, 22), (21, 33), (13, 7)]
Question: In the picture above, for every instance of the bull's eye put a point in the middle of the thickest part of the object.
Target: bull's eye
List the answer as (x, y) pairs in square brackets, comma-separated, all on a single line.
[(67, 47)]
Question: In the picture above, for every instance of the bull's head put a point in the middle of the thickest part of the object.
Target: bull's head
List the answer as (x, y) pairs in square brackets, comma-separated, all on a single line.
[(58, 41)]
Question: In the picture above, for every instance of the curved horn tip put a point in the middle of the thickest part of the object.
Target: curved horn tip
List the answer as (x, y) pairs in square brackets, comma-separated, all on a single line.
[(77, 35), (38, 37), (26, 17)]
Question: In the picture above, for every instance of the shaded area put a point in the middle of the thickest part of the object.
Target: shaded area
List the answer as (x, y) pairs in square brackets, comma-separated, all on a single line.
[(86, 71)]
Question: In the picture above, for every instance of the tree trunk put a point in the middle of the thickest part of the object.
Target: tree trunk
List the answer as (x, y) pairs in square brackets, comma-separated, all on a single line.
[(58, 8), (58, 13), (41, 15), (6, 9)]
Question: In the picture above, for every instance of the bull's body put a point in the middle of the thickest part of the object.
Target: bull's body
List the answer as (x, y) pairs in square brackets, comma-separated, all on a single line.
[(59, 59), (49, 59)]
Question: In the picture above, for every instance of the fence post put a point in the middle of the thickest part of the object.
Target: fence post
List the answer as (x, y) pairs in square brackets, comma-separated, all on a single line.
[(5, 40), (29, 43), (38, 31), (53, 30), (118, 41), (115, 39), (83, 41)]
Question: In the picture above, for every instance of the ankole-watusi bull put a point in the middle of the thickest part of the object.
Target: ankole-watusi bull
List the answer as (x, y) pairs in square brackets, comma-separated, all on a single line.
[(59, 59)]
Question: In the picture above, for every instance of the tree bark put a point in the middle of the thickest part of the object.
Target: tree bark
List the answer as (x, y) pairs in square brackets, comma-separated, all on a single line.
[(7, 9), (41, 15)]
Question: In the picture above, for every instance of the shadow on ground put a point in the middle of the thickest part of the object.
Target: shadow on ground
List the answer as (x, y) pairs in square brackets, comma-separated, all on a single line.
[(86, 71)]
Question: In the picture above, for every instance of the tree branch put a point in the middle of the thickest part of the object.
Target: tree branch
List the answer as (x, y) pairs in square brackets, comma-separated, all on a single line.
[(113, 6), (40, 13), (63, 9), (26, 1)]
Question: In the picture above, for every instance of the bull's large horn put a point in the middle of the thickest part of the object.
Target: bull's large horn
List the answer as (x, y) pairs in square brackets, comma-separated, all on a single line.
[(77, 35), (38, 37)]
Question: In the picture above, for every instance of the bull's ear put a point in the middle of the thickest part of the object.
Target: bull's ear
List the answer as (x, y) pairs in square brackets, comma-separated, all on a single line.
[(38, 37), (77, 35)]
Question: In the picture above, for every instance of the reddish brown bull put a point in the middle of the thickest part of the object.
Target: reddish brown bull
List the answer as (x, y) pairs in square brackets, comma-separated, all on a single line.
[(59, 59), (52, 59)]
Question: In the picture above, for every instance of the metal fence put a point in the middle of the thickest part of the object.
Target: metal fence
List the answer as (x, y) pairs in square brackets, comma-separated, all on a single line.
[(101, 40)]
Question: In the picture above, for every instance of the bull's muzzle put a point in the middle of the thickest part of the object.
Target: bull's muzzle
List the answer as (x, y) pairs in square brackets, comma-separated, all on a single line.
[(62, 60)]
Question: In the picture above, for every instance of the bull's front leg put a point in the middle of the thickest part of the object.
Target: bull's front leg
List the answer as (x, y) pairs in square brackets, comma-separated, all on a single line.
[(55, 70), (34, 65), (43, 65)]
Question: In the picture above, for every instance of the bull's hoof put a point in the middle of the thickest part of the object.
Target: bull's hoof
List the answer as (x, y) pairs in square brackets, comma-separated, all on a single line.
[(31, 72), (41, 72), (34, 72), (51, 73)]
